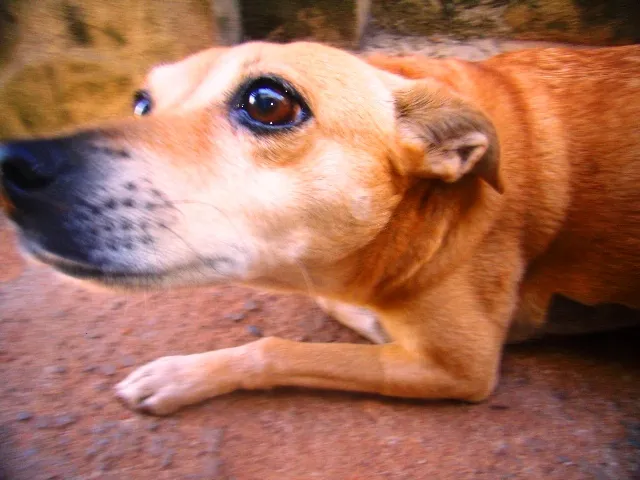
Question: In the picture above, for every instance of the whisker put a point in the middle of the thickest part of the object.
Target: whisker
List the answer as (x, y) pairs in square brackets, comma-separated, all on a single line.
[(210, 205), (217, 209), (187, 244), (307, 279)]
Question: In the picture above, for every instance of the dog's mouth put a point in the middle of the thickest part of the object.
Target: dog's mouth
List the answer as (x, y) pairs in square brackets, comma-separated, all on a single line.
[(84, 271), (196, 272)]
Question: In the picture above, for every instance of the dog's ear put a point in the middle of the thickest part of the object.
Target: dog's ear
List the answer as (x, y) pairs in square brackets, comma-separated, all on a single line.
[(443, 137)]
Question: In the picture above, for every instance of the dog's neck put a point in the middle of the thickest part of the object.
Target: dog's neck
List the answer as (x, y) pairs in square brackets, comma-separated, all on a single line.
[(433, 229)]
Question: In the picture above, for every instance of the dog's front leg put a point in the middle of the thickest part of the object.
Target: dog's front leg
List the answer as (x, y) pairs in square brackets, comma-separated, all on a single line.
[(463, 367)]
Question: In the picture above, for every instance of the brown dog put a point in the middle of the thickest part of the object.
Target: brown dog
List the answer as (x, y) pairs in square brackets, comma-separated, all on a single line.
[(453, 199)]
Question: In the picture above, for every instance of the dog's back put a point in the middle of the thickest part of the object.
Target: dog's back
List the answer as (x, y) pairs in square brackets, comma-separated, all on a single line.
[(596, 94)]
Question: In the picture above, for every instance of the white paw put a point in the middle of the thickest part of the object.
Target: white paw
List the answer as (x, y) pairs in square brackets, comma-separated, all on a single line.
[(163, 386)]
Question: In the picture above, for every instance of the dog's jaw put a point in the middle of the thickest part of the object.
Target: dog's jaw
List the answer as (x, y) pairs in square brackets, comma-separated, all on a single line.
[(203, 271)]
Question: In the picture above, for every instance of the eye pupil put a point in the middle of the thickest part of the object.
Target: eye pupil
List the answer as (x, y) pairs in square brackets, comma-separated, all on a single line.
[(263, 99)]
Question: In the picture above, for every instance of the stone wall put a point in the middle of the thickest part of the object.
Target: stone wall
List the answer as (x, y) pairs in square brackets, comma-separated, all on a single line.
[(68, 62), (595, 22), (351, 22)]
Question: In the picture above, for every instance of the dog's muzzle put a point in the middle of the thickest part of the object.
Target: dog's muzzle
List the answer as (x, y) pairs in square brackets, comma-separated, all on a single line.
[(43, 184)]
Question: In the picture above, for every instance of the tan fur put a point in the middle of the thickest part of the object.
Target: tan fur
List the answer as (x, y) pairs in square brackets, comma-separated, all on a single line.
[(450, 199)]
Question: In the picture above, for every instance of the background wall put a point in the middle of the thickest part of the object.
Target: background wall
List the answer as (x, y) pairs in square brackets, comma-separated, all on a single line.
[(67, 62), (64, 63)]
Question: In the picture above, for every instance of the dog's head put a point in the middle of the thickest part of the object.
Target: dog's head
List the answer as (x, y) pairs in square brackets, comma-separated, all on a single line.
[(261, 163)]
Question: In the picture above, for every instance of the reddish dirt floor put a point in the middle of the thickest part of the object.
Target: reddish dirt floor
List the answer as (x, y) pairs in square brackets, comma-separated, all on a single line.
[(565, 409)]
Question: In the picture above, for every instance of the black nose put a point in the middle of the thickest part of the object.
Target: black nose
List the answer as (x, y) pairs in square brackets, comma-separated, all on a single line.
[(30, 166)]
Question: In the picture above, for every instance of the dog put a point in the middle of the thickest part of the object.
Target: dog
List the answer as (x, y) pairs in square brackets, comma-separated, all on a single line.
[(434, 206)]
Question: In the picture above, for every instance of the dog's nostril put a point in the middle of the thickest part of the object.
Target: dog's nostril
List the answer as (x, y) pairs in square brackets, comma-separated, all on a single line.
[(23, 173)]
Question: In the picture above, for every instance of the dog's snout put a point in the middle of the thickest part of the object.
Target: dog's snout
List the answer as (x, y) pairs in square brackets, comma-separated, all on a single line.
[(28, 166)]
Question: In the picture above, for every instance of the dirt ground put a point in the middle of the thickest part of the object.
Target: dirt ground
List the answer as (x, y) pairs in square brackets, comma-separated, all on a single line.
[(565, 409)]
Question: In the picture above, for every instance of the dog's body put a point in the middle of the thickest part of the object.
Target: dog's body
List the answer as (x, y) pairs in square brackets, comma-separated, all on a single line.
[(453, 199), (568, 128)]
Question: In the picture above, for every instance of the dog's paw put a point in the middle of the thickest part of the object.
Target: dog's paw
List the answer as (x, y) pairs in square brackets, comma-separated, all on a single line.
[(165, 385)]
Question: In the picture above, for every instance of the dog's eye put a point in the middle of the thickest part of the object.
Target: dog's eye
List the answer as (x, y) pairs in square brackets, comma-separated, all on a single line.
[(269, 103), (142, 103)]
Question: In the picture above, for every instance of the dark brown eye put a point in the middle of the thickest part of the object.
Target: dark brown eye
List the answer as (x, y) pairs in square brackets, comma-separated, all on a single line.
[(268, 103)]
